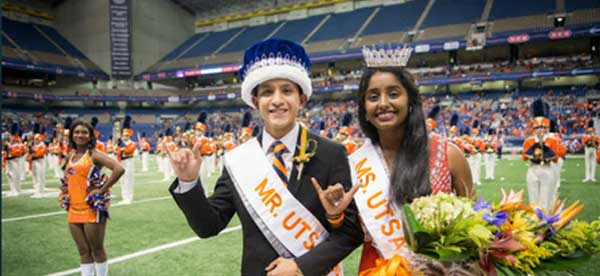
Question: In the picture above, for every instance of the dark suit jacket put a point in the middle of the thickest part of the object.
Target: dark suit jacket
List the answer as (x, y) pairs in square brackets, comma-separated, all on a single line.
[(207, 217)]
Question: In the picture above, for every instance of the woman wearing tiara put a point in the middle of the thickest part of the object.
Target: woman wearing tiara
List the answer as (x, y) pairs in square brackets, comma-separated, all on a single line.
[(398, 163)]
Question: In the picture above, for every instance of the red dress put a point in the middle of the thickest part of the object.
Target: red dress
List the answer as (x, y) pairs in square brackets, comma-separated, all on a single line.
[(441, 181)]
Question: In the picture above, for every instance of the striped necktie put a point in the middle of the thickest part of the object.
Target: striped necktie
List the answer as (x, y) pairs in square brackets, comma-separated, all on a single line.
[(279, 149)]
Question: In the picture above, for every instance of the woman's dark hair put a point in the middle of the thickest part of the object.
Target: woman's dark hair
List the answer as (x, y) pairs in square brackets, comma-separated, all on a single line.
[(410, 176), (92, 144)]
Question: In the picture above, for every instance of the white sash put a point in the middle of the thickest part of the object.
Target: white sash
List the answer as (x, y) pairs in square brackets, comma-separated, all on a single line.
[(291, 229), (381, 217)]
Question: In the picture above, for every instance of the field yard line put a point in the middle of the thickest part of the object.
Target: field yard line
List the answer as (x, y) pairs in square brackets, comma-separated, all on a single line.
[(145, 252), (51, 178), (64, 213), (29, 181)]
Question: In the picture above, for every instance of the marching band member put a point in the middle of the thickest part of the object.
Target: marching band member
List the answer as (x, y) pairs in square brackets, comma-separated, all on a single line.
[(561, 152), (343, 136), (159, 152), (37, 153), (13, 153), (65, 149), (206, 150), (454, 132), (110, 148), (469, 150), (145, 148), (23, 146), (539, 150), (245, 130), (490, 154), (168, 144), (126, 150), (99, 145), (431, 122), (591, 142), (479, 146), (53, 157)]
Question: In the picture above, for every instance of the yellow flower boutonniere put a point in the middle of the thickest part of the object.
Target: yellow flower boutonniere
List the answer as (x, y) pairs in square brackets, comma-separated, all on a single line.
[(304, 155)]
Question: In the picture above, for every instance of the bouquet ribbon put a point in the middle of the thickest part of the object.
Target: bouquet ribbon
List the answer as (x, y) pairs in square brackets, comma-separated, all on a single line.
[(396, 266)]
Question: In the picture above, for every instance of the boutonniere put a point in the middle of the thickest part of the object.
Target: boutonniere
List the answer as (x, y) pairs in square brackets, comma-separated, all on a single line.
[(303, 154)]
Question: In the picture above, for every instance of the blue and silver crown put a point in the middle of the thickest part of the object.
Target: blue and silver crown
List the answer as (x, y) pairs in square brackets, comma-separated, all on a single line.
[(273, 59), (390, 57)]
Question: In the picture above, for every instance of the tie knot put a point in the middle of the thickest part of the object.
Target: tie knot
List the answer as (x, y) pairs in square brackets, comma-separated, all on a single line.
[(278, 147)]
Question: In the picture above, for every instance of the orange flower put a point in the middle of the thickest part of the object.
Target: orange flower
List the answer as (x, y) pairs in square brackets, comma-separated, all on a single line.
[(568, 214), (511, 201)]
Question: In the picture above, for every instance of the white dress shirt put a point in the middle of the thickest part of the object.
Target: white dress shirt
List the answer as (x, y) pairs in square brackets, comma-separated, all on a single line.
[(289, 140)]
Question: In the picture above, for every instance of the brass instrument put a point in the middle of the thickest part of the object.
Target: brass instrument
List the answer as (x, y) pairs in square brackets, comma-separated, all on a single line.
[(592, 142), (188, 138)]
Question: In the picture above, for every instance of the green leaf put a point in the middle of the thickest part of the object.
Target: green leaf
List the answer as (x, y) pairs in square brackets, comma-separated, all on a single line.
[(502, 270), (453, 256), (574, 261), (413, 229)]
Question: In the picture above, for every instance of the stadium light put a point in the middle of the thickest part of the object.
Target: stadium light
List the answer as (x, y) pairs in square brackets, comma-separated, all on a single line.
[(559, 21)]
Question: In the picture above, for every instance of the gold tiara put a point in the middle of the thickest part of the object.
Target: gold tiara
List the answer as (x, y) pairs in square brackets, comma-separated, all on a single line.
[(397, 57)]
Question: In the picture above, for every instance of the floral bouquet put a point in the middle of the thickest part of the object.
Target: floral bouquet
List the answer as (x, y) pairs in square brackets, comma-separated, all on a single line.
[(454, 236)]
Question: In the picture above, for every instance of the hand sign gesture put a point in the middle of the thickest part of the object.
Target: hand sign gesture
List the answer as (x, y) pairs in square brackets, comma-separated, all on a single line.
[(186, 163), (334, 199)]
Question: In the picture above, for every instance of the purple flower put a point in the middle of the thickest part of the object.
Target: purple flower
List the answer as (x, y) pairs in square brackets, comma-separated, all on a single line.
[(480, 205), (547, 220), (497, 219)]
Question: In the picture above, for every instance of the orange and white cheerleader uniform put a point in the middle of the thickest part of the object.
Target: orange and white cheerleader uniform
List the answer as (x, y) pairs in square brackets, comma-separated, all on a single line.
[(80, 178)]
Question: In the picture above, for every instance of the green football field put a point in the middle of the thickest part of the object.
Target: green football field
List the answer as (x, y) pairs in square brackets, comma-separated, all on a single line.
[(151, 236)]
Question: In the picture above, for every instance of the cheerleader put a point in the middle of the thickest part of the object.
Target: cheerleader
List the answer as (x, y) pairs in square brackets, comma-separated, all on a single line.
[(85, 196)]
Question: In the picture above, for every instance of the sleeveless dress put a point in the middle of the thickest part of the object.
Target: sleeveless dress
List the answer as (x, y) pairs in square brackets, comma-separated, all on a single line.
[(80, 177), (440, 179)]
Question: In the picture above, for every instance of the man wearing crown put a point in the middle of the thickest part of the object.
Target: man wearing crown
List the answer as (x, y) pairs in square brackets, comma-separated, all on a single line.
[(590, 141), (126, 151), (267, 179), (540, 151)]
